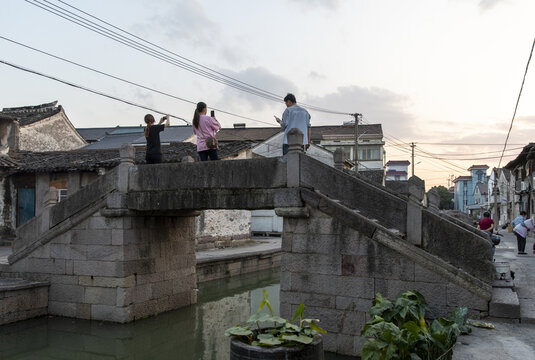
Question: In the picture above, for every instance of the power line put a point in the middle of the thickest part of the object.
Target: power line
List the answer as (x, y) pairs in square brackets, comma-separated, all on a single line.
[(92, 90), (517, 101), (127, 81), (151, 51)]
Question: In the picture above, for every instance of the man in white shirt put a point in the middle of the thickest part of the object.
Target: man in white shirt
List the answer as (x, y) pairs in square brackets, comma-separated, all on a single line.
[(294, 117)]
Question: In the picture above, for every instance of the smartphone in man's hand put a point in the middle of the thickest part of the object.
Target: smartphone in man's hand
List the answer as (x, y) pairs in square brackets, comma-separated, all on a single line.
[(212, 113)]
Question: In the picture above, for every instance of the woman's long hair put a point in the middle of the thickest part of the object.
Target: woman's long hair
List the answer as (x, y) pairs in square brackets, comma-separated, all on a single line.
[(149, 120), (197, 115)]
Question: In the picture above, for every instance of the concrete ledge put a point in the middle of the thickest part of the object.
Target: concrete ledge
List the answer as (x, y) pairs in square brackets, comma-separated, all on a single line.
[(202, 199), (237, 265), (22, 299), (262, 173), (504, 304)]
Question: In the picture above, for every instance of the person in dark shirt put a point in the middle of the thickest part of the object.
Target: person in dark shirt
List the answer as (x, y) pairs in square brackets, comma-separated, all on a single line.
[(152, 134), (486, 224)]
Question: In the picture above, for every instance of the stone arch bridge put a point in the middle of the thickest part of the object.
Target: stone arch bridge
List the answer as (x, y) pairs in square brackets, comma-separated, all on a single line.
[(122, 248)]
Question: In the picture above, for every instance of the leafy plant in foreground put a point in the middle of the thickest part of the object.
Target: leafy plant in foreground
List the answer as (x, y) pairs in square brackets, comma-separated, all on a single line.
[(399, 330), (281, 332)]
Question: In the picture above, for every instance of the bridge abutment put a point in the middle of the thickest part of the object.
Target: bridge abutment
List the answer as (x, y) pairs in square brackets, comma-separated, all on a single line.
[(336, 270)]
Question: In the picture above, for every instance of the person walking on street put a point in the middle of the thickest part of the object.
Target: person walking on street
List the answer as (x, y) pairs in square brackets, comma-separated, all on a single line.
[(294, 117), (519, 219), (521, 232), (153, 154), (205, 127)]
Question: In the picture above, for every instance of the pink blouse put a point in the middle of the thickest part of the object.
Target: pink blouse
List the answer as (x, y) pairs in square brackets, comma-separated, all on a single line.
[(207, 127)]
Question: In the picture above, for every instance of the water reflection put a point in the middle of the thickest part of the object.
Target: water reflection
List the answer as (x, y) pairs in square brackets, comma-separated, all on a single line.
[(195, 332)]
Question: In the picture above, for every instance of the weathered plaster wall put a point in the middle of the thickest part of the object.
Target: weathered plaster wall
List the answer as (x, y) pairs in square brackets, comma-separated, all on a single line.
[(336, 271), (53, 134), (222, 228), (8, 210)]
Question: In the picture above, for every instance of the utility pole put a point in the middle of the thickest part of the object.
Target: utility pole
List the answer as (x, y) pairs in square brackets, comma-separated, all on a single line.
[(412, 162), (495, 193), (356, 115)]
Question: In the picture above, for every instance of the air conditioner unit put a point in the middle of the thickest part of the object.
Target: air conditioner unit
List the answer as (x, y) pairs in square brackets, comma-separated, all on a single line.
[(517, 198)]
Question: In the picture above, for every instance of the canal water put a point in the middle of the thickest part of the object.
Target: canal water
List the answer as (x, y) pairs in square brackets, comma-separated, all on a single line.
[(192, 333)]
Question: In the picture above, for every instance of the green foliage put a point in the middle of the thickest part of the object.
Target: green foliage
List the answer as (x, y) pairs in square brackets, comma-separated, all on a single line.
[(399, 330), (446, 200), (280, 332)]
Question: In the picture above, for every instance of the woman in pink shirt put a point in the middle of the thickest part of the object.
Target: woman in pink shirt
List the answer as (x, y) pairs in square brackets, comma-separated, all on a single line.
[(204, 127)]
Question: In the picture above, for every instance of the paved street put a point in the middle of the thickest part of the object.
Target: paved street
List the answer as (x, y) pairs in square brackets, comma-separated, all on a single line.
[(507, 341)]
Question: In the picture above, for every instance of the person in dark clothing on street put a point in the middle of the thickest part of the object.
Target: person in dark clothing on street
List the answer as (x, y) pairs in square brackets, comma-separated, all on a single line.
[(152, 134)]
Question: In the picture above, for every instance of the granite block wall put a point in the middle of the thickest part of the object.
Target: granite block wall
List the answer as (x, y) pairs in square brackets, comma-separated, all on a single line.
[(116, 268), (336, 272)]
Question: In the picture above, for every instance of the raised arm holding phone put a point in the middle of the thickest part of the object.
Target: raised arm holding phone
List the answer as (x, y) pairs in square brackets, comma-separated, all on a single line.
[(153, 154)]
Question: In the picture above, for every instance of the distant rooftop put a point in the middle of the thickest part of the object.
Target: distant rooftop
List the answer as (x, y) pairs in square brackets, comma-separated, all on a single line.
[(318, 133), (91, 160), (398, 162), (478, 167), (31, 114), (114, 137), (461, 178)]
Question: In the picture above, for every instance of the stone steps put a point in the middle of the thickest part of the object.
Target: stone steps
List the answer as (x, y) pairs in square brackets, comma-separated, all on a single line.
[(504, 304), (357, 211), (526, 296)]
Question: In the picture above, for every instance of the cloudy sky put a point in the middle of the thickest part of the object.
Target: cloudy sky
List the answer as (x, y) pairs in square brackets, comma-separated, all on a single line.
[(431, 72)]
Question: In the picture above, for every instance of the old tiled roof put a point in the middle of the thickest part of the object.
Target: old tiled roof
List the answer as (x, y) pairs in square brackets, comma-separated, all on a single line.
[(482, 188), (260, 134), (398, 162), (90, 160), (506, 173), (7, 162), (371, 130), (93, 134), (459, 178), (478, 167), (112, 142), (522, 158), (252, 134), (31, 114), (113, 138)]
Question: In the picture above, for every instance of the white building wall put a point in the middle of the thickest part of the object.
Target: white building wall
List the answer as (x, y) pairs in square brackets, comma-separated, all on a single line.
[(53, 134)]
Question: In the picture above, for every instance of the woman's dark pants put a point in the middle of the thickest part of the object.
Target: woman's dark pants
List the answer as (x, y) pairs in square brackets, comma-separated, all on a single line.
[(521, 243), (212, 154), (153, 158)]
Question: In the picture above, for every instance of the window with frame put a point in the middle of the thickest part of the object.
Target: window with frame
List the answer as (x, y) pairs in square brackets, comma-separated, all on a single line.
[(370, 153), (62, 194)]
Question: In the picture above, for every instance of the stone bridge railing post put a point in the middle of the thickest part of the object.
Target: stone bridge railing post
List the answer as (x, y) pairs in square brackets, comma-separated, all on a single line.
[(434, 200), (416, 193), (128, 155), (339, 157), (295, 147)]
